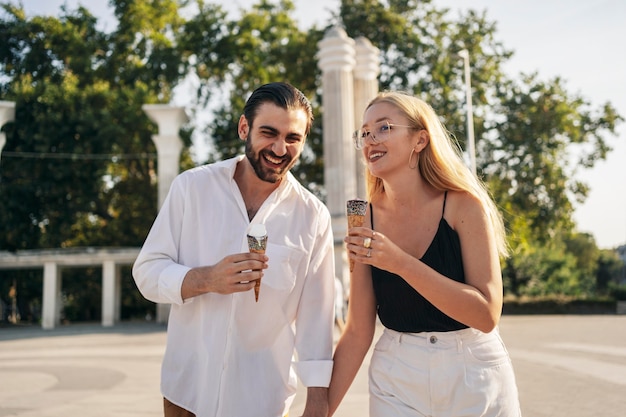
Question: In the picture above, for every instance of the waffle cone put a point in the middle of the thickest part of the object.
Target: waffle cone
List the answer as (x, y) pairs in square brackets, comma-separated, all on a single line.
[(356, 209), (257, 242), (257, 283), (354, 220)]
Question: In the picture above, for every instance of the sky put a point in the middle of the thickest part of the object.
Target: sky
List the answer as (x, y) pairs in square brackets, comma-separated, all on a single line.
[(576, 40)]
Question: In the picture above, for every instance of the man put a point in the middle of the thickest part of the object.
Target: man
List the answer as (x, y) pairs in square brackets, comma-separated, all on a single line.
[(228, 355)]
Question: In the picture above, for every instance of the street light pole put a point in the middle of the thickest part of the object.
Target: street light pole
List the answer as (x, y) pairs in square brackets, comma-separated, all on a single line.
[(470, 114)]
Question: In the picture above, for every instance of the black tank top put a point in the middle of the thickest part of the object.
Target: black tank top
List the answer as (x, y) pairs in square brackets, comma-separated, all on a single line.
[(400, 307)]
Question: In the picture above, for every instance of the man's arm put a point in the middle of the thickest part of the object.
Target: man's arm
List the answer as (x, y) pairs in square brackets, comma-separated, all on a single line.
[(316, 402)]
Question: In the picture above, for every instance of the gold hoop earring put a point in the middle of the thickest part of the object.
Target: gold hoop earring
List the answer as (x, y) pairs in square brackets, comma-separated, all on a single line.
[(417, 159)]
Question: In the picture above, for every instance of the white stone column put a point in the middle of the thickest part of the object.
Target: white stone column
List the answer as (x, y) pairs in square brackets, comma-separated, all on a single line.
[(7, 114), (169, 146), (366, 73), (336, 60), (51, 296), (108, 293), (117, 305)]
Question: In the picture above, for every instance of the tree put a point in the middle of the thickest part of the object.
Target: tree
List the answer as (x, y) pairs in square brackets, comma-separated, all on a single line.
[(78, 166), (531, 150)]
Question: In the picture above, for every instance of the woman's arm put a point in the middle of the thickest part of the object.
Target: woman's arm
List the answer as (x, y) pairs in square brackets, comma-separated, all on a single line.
[(357, 336)]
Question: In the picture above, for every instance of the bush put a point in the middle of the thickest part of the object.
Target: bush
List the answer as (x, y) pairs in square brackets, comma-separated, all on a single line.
[(558, 305), (618, 291)]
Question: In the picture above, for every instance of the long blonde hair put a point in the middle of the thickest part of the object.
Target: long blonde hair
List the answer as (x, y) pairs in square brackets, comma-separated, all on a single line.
[(440, 162)]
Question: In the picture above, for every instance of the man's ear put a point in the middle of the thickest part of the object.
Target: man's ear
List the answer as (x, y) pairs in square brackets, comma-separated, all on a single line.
[(243, 128)]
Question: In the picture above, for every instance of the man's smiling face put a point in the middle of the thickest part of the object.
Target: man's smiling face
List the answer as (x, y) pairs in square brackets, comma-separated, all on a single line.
[(275, 140)]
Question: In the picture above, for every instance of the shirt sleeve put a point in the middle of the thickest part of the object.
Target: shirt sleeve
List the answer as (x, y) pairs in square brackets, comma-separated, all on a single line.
[(156, 271), (315, 319)]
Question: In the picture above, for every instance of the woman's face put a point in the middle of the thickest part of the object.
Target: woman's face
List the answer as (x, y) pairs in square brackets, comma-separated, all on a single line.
[(387, 139)]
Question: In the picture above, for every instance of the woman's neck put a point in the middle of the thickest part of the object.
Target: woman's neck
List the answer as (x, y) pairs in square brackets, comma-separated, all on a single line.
[(407, 190)]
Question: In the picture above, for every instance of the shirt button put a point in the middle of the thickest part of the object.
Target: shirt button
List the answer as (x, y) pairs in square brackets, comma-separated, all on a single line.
[(433, 339)]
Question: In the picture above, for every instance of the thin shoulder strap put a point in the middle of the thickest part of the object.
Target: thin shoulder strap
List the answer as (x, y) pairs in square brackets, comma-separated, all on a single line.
[(372, 216), (445, 196)]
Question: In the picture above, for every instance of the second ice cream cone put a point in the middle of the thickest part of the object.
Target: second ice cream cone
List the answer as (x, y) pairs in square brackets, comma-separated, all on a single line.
[(356, 216)]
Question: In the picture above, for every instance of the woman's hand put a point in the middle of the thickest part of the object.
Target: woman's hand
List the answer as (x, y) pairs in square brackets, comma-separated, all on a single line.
[(373, 248)]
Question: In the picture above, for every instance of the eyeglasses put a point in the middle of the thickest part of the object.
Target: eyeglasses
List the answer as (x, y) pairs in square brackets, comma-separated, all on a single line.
[(379, 134)]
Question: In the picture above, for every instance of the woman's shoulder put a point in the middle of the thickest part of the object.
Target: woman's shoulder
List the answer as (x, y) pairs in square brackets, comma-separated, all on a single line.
[(463, 207)]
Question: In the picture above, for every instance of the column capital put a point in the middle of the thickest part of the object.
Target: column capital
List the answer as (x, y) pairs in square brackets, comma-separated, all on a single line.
[(367, 60), (168, 118), (336, 51)]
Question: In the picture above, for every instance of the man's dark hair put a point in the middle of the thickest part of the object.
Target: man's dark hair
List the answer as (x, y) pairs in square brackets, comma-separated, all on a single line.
[(284, 95)]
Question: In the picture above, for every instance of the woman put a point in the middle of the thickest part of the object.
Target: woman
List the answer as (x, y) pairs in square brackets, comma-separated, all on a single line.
[(427, 261)]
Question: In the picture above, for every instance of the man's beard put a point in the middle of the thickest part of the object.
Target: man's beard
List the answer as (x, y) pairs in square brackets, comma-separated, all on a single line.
[(264, 173)]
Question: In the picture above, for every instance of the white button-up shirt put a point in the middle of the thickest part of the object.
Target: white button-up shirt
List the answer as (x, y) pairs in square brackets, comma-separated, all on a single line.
[(228, 355)]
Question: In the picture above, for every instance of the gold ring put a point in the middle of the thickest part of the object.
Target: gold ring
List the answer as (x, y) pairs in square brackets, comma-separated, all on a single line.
[(369, 253), (367, 243)]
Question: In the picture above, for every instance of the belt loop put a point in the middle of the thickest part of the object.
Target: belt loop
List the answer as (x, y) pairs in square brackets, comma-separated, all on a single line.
[(459, 342)]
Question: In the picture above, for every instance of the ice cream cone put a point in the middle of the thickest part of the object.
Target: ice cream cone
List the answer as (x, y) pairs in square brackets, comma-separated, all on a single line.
[(257, 243), (356, 216)]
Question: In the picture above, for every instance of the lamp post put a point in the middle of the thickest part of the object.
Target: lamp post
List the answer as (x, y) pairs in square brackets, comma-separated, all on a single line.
[(470, 114)]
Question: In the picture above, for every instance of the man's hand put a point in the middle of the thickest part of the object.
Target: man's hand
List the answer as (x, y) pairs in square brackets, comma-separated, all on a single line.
[(234, 273), (316, 402)]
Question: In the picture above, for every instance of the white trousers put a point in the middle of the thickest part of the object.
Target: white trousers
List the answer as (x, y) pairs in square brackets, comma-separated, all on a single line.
[(464, 373)]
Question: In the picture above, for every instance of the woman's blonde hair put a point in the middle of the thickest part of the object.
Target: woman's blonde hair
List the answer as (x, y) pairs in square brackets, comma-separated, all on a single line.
[(440, 162)]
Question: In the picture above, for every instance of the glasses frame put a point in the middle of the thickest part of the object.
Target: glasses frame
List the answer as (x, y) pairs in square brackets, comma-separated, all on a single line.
[(359, 138)]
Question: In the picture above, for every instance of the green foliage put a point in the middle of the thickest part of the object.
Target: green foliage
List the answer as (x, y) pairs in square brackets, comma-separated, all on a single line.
[(558, 304), (567, 265), (547, 270), (82, 165), (531, 150), (618, 291), (611, 274)]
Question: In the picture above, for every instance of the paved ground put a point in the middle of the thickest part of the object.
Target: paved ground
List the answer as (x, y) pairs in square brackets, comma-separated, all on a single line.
[(567, 366)]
